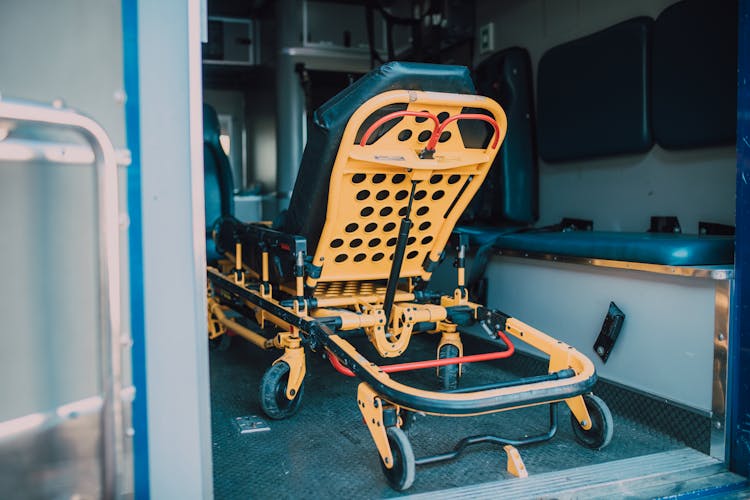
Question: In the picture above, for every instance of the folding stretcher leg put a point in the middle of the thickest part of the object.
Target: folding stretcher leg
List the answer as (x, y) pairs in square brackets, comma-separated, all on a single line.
[(282, 386), (450, 346)]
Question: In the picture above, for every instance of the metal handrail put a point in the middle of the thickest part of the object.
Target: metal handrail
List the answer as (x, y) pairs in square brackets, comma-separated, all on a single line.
[(109, 262)]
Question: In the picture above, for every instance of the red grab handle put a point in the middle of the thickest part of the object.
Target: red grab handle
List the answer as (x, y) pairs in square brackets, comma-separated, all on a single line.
[(468, 116), (394, 115), (432, 363)]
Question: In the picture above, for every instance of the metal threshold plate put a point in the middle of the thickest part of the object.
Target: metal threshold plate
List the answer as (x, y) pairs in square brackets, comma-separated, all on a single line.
[(649, 476), (251, 424)]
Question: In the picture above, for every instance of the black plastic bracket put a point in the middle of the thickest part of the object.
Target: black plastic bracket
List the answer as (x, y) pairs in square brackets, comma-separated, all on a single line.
[(664, 224), (609, 333), (714, 228), (492, 320)]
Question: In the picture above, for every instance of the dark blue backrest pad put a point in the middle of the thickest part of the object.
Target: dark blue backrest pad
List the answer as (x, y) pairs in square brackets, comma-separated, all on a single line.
[(217, 178), (593, 94), (510, 193), (650, 248), (307, 206), (694, 74)]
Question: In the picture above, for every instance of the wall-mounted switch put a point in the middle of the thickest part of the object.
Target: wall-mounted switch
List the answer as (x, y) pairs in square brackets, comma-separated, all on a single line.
[(487, 38)]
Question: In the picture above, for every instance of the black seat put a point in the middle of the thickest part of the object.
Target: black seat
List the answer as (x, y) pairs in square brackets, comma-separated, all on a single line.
[(307, 206), (217, 179)]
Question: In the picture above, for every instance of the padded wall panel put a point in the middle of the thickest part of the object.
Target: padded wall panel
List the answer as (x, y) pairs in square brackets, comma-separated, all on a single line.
[(510, 193), (593, 94), (695, 74)]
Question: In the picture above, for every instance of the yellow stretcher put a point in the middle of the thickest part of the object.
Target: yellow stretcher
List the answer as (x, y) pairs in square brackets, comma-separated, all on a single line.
[(394, 196)]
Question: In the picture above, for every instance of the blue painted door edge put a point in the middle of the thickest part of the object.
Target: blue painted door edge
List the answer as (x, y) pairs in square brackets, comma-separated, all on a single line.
[(133, 133), (739, 349)]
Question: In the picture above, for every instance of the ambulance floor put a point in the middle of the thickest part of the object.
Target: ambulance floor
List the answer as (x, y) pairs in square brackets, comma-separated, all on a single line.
[(325, 450)]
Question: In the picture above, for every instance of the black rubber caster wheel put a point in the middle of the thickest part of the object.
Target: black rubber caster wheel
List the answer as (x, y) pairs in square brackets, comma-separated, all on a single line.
[(448, 375), (401, 476), (273, 398), (602, 426)]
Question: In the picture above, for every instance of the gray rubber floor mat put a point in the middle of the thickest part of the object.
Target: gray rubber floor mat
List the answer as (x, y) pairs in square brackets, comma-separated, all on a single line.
[(326, 449)]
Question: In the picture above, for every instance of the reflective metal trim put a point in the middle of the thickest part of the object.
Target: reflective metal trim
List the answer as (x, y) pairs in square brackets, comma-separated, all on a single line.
[(54, 152), (330, 58), (706, 272), (37, 422), (55, 454), (724, 292), (109, 267)]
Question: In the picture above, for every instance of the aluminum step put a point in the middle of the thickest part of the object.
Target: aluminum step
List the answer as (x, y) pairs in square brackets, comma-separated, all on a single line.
[(661, 474)]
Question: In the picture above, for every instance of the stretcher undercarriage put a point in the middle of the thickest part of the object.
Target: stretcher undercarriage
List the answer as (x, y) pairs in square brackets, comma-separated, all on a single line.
[(402, 162)]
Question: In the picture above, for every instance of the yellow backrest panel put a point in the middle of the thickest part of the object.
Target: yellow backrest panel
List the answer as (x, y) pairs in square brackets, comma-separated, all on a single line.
[(370, 187)]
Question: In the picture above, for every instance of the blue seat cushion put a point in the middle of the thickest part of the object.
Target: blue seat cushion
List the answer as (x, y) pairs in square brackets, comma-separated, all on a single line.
[(650, 248)]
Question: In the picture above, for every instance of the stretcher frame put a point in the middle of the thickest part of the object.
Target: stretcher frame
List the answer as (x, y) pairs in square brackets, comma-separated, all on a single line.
[(292, 301)]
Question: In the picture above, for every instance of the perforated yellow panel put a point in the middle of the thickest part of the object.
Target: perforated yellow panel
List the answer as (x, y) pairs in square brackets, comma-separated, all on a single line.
[(348, 289), (370, 188)]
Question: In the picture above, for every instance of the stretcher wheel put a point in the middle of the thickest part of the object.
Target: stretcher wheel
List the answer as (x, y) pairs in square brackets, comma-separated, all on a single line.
[(448, 375), (401, 475), (602, 426), (273, 398)]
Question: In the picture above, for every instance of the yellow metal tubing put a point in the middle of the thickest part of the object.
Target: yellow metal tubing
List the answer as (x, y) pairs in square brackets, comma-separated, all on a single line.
[(349, 320), (228, 264), (344, 301), (239, 276), (371, 406), (515, 462), (244, 332), (582, 366), (294, 356), (264, 264), (578, 409)]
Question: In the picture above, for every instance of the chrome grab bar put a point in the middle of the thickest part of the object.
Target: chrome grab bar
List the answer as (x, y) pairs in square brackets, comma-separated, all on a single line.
[(112, 341)]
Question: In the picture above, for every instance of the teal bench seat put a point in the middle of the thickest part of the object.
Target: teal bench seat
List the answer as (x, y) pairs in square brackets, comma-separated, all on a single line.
[(651, 248)]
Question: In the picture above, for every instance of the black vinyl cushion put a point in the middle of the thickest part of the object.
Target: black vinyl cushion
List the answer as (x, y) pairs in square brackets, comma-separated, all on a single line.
[(307, 206), (593, 94), (510, 193), (695, 74), (217, 178)]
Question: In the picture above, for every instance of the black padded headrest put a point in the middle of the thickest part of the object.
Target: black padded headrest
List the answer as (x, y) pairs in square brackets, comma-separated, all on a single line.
[(694, 74), (593, 94), (307, 206), (393, 76)]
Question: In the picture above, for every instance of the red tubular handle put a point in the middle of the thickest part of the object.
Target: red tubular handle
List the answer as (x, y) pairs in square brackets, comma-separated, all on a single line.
[(468, 116), (399, 114), (432, 363)]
